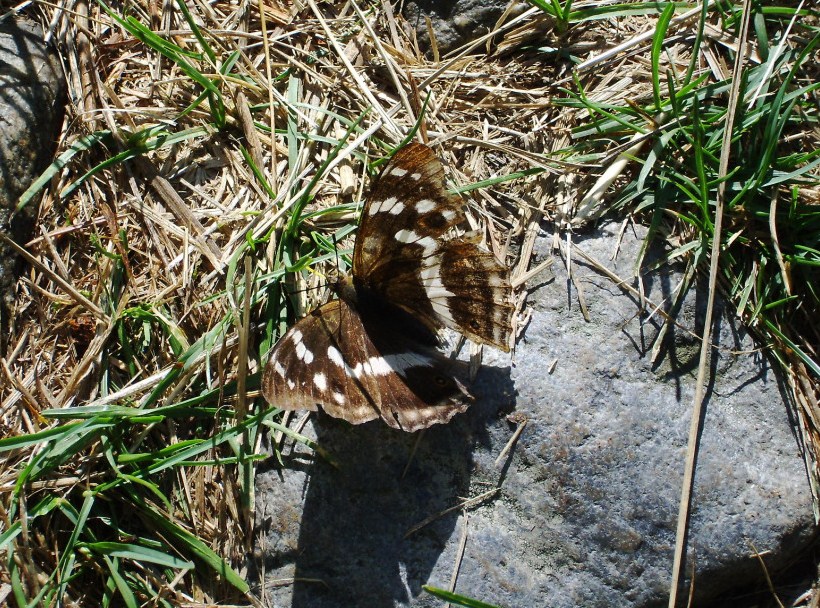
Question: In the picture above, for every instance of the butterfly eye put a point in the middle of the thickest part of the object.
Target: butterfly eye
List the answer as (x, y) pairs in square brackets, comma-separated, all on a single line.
[(441, 380)]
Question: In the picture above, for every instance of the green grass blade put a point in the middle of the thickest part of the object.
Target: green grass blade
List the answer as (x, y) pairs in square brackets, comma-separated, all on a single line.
[(121, 584), (82, 144), (655, 56), (455, 598), (191, 543), (69, 556), (138, 553), (44, 507)]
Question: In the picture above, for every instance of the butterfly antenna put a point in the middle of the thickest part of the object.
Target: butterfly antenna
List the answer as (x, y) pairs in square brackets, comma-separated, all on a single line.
[(336, 251)]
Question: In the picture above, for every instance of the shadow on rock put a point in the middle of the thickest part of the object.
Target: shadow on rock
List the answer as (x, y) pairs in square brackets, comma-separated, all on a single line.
[(353, 546)]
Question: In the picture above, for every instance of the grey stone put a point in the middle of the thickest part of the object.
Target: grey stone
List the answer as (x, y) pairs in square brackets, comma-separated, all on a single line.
[(32, 92), (587, 509), (454, 22)]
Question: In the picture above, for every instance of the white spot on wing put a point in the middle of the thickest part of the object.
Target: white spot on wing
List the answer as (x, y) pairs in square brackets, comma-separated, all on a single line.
[(397, 171), (358, 370), (303, 353), (498, 334), (379, 366), (335, 356), (320, 381), (362, 369), (416, 176), (380, 206), (425, 205), (277, 367), (397, 363), (408, 236), (396, 209), (435, 290), (429, 244), (339, 398), (410, 416), (443, 311)]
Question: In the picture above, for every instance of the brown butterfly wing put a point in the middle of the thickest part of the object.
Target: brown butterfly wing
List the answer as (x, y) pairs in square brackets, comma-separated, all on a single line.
[(402, 254), (359, 369)]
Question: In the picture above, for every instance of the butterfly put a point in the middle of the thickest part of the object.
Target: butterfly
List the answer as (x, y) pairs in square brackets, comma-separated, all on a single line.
[(374, 351)]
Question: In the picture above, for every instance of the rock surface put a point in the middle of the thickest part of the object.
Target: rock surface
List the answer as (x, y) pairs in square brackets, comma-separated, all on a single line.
[(587, 508), (454, 22), (32, 88)]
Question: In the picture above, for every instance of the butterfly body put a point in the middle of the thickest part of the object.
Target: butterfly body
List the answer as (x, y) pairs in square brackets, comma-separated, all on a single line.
[(373, 352)]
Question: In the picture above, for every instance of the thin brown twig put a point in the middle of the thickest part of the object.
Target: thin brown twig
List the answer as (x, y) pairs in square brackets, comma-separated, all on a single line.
[(464, 504), (705, 350), (766, 575), (462, 544)]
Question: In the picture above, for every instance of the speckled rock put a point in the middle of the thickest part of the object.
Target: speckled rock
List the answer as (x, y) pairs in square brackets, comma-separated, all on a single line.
[(32, 89), (454, 22), (588, 501)]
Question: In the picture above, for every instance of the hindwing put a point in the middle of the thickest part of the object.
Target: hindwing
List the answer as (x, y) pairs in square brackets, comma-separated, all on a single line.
[(359, 368)]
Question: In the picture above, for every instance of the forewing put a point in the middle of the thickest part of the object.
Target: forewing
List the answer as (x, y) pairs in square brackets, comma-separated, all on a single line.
[(402, 253), (360, 370), (407, 211)]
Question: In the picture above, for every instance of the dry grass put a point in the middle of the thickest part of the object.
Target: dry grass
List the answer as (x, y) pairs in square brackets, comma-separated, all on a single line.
[(157, 276)]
